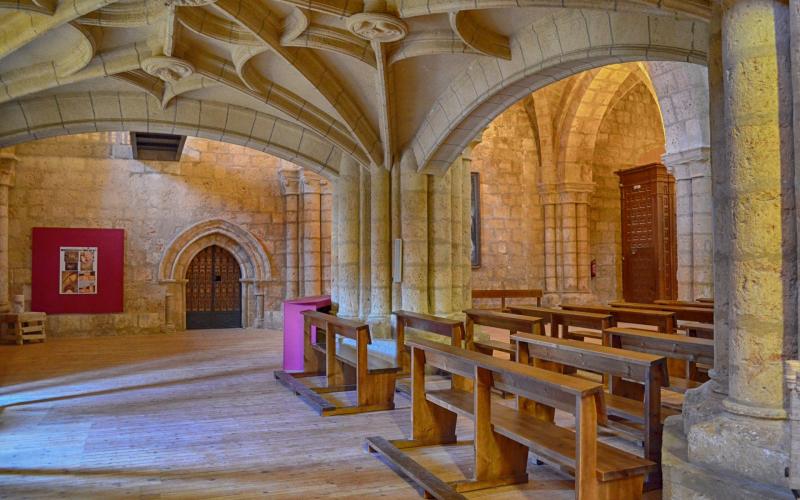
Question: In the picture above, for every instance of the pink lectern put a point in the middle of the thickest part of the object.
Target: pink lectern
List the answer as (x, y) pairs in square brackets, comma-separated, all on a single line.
[(293, 328)]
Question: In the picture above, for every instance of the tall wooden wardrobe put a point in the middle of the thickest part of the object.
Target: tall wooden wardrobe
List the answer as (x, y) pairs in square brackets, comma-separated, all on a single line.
[(649, 234)]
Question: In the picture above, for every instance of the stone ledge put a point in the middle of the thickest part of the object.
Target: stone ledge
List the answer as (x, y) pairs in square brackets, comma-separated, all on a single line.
[(689, 481)]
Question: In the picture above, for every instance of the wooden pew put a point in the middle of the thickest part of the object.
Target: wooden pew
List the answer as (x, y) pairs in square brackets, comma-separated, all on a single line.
[(503, 436), (451, 329), (372, 378), (648, 372), (699, 330), (508, 294), (698, 314), (512, 322), (663, 320), (561, 320), (683, 303), (692, 350), (707, 300)]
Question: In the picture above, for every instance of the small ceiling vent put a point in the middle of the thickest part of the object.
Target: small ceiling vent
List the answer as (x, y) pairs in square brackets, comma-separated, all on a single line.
[(159, 147)]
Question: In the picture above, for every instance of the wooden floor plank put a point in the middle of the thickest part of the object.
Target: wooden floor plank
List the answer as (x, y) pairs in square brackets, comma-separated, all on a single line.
[(197, 415)]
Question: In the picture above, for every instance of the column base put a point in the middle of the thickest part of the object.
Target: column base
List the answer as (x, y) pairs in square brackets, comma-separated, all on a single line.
[(689, 480)]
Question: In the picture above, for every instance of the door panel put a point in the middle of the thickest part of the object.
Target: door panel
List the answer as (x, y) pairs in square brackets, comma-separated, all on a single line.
[(213, 290)]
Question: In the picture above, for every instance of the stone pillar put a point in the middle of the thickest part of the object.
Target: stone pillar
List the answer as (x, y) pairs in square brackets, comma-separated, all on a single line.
[(693, 206), (466, 223), (290, 188), (440, 243), (456, 230), (8, 165), (259, 321), (548, 198), (758, 151), (365, 245), (326, 235), (414, 232), (380, 247), (169, 307), (742, 449), (312, 233), (348, 236), (395, 209)]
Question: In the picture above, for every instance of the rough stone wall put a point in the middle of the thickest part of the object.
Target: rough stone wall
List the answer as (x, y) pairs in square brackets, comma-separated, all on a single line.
[(511, 217), (631, 134), (91, 180)]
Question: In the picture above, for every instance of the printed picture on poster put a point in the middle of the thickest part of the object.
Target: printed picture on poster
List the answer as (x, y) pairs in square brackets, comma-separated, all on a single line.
[(78, 271)]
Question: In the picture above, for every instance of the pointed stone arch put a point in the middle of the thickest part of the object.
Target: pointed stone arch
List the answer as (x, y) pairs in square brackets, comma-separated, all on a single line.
[(249, 251)]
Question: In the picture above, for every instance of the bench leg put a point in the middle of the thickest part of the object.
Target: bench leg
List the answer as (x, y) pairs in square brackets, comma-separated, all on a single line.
[(377, 389)]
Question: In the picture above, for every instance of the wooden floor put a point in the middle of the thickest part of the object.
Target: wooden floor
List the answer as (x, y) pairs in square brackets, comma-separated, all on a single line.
[(194, 415)]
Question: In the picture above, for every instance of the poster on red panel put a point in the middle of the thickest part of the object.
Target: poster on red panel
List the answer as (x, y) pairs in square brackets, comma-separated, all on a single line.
[(77, 270)]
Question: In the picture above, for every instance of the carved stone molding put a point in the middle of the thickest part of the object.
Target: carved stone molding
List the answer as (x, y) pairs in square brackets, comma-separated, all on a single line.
[(377, 27), (290, 180), (169, 69)]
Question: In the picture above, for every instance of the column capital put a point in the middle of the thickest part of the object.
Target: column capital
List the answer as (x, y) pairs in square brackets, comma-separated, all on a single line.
[(691, 163), (290, 179), (312, 184), (467, 154), (8, 166)]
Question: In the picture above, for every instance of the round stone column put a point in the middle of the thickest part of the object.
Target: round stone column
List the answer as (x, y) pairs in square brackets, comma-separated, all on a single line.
[(290, 188), (348, 240), (456, 249), (380, 247), (311, 240), (757, 89), (8, 164), (440, 243), (414, 232)]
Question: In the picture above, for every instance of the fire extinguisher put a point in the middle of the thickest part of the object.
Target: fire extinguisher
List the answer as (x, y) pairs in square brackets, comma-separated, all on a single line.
[(593, 268)]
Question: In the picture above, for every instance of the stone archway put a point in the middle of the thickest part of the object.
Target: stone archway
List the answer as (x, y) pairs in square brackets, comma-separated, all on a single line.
[(249, 252)]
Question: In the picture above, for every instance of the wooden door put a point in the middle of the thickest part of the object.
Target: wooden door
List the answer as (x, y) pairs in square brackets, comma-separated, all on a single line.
[(213, 290), (649, 241)]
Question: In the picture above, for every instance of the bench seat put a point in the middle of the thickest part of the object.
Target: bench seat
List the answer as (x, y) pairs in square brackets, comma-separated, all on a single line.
[(546, 440), (382, 354)]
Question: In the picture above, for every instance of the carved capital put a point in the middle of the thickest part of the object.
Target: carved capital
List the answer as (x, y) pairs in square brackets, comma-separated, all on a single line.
[(290, 180), (8, 167), (169, 69), (311, 183), (378, 27)]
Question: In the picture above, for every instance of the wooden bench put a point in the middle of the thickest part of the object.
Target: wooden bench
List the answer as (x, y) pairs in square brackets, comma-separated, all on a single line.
[(664, 321), (707, 300), (699, 314), (451, 330), (503, 436), (561, 320), (684, 303), (505, 321), (21, 327), (508, 294), (694, 351), (631, 373), (344, 368), (699, 330)]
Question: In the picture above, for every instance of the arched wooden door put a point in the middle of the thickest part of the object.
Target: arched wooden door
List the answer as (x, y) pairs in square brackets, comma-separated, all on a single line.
[(213, 290)]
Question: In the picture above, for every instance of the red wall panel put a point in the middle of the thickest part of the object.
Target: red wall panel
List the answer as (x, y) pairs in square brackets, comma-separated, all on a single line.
[(47, 242)]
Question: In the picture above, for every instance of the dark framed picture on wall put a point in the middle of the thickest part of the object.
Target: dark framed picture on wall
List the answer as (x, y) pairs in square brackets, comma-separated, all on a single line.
[(475, 199)]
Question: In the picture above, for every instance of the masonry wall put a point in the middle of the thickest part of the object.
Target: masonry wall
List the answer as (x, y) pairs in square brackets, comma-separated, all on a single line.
[(90, 180), (630, 135), (512, 253)]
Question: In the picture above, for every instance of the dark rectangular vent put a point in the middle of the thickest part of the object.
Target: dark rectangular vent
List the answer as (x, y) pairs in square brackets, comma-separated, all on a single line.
[(159, 147)]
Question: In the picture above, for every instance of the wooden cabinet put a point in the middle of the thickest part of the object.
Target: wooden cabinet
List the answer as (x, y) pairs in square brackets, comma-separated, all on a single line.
[(649, 235)]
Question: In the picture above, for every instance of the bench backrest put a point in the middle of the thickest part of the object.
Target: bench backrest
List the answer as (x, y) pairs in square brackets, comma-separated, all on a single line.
[(451, 328), (565, 318), (633, 365), (543, 386), (684, 303), (332, 326), (663, 320), (699, 314), (506, 321), (693, 349), (508, 294)]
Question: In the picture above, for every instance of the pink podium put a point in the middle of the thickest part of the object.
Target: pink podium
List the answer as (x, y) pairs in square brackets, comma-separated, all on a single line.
[(293, 328)]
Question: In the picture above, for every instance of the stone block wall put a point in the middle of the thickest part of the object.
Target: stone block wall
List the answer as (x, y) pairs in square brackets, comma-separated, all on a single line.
[(91, 180), (511, 216), (630, 135)]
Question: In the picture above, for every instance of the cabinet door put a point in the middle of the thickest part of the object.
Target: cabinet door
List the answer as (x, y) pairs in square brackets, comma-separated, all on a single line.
[(639, 233)]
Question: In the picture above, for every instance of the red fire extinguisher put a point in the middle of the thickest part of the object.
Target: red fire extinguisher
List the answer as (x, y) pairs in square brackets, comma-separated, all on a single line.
[(593, 268)]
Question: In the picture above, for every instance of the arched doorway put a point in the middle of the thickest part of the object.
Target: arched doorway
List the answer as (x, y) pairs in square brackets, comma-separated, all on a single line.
[(213, 290)]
